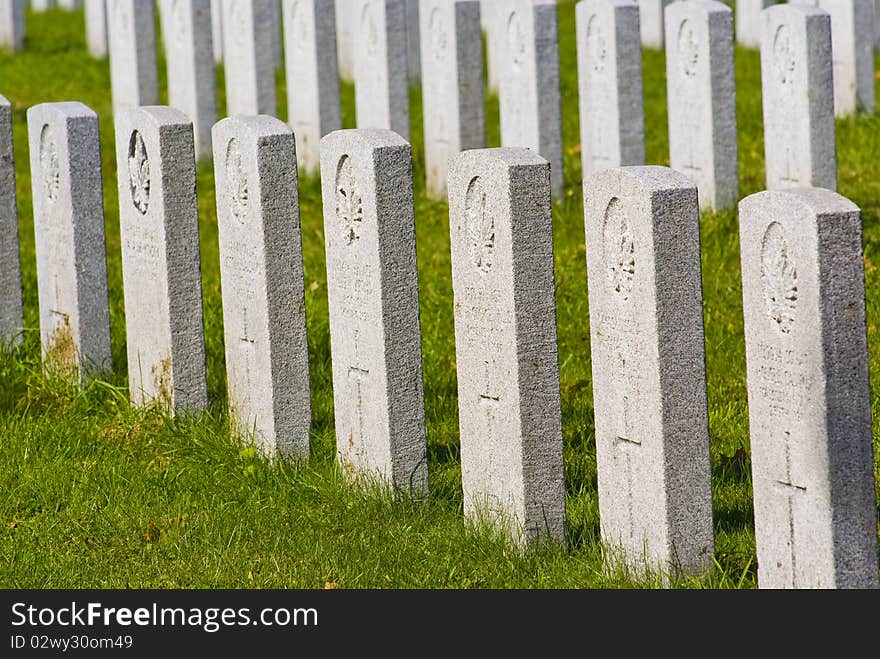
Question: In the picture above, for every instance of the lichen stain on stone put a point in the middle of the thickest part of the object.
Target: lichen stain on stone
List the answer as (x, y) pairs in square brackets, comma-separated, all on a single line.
[(162, 379), (61, 348)]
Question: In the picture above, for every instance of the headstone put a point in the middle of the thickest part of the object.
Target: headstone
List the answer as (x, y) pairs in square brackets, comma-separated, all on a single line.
[(131, 25), (529, 95), (313, 105), (217, 30), (649, 374), (160, 258), (505, 342), (452, 85), (748, 21), (10, 263), (798, 97), (12, 28), (70, 4), (380, 68), (702, 99), (249, 57), (65, 155), (369, 232), (808, 390), (345, 39), (277, 33), (191, 86), (96, 28), (610, 80), (876, 23), (651, 22), (264, 318), (413, 42), (490, 16), (42, 5), (852, 48)]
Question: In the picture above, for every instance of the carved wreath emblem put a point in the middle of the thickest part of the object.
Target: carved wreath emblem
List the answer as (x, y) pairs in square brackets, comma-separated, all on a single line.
[(783, 55), (516, 39), (49, 166), (479, 227), (688, 49), (349, 206), (779, 278), (620, 251), (139, 172), (596, 46), (236, 182)]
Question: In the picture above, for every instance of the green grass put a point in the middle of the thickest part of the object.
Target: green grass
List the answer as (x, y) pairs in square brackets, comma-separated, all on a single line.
[(94, 493)]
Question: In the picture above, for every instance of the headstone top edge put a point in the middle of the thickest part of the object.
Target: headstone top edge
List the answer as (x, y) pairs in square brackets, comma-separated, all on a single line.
[(587, 5), (508, 156), (370, 137), (4, 101), (819, 201), (160, 116), (648, 178), (62, 109), (692, 7), (783, 11), (260, 125)]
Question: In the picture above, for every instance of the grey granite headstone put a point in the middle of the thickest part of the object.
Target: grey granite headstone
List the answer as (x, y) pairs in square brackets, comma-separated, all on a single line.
[(452, 85), (369, 233), (313, 106), (264, 316), (413, 42), (852, 48), (380, 65), (96, 28), (702, 99), (190, 54), (160, 258), (748, 21), (610, 82), (345, 39), (12, 28), (798, 97), (529, 83), (10, 263), (217, 30), (65, 158), (505, 342), (808, 389), (649, 374), (249, 57), (131, 28), (651, 22)]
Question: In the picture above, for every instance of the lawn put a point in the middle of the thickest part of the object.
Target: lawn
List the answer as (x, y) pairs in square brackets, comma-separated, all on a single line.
[(97, 494)]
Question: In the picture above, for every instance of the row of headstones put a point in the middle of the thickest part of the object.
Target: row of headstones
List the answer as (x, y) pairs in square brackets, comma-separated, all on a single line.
[(803, 297)]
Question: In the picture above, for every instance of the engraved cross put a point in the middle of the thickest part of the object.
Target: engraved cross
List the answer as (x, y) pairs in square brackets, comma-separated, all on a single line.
[(358, 374), (791, 489), (624, 442)]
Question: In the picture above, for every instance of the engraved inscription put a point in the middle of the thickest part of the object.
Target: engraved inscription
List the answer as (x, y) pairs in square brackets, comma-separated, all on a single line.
[(688, 49), (357, 294), (486, 320), (439, 35), (480, 226), (49, 165), (783, 381), (783, 55), (620, 258), (597, 49), (516, 40), (236, 182), (139, 172), (779, 278), (349, 206)]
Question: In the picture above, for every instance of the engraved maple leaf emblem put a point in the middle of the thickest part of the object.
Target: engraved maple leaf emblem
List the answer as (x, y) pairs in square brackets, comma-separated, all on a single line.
[(620, 250), (349, 206), (779, 277), (49, 164), (784, 55), (139, 172), (480, 227), (596, 46), (689, 49), (236, 182)]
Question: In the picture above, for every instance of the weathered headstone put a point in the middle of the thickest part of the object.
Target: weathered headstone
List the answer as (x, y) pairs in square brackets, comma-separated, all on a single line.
[(505, 342), (369, 232), (748, 21), (42, 5), (160, 258), (452, 85), (651, 23), (191, 86), (808, 389), (65, 158), (313, 106), (648, 360), (131, 26), (380, 68), (702, 99), (852, 48), (798, 97), (96, 28), (413, 42), (10, 263), (610, 80), (264, 317), (248, 57), (217, 30), (529, 84), (345, 39), (12, 28)]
